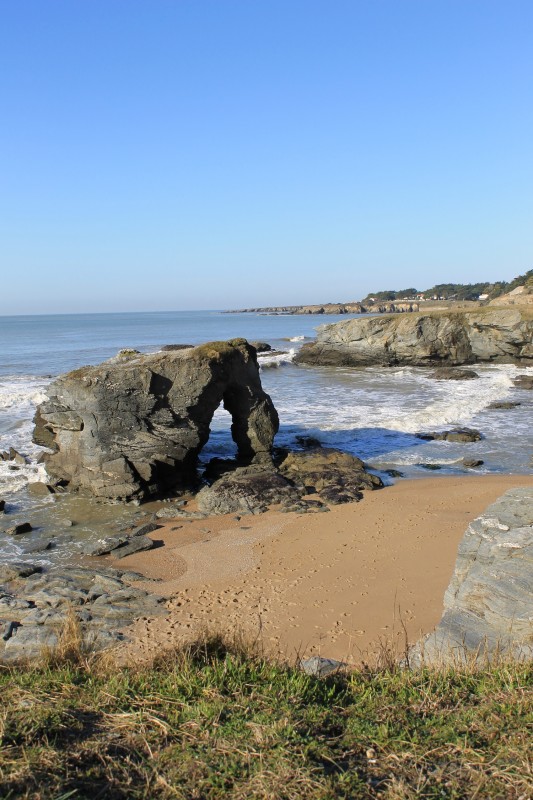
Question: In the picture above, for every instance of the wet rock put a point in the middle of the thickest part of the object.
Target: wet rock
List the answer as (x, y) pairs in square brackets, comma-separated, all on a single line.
[(503, 405), (487, 606), (17, 457), (104, 546), (39, 546), (168, 348), (17, 569), (472, 463), (135, 545), (393, 473), (430, 467), (261, 347), (143, 530), (22, 527), (454, 435), (39, 489), (134, 428), (308, 442), (2, 506), (453, 374), (523, 381)]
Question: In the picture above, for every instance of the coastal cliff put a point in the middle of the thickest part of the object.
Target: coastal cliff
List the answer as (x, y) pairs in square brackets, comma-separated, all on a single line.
[(133, 426), (396, 307), (499, 335)]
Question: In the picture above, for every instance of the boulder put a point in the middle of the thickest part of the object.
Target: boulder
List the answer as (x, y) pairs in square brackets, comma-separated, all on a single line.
[(503, 405), (22, 527), (472, 463), (246, 490), (450, 338), (453, 374), (488, 604), (523, 381), (131, 428), (262, 347), (335, 476)]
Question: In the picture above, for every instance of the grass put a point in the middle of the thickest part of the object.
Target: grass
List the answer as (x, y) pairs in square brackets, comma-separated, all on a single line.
[(217, 721)]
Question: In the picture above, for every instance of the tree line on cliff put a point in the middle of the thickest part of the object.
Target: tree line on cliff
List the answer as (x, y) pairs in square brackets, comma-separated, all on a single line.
[(454, 291)]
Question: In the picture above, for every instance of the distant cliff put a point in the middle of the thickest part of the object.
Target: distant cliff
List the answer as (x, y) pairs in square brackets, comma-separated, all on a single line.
[(333, 308), (450, 337)]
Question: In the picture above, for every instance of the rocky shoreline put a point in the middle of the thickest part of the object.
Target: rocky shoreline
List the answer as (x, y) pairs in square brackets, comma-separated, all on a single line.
[(485, 335)]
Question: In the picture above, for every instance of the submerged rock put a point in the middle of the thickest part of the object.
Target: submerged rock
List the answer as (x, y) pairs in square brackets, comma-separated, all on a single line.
[(454, 435), (488, 607), (453, 374), (131, 428)]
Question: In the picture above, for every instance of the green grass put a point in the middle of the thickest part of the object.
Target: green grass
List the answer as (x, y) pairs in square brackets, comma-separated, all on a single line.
[(216, 722)]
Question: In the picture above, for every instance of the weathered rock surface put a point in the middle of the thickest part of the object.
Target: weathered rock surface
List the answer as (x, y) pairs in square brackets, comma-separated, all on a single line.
[(133, 426), (35, 605), (334, 476), (488, 606), (444, 339)]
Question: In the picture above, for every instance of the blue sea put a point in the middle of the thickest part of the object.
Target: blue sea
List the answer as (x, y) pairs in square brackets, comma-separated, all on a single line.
[(373, 412)]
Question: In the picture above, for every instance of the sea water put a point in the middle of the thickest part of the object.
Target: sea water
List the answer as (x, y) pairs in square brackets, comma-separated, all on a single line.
[(374, 413)]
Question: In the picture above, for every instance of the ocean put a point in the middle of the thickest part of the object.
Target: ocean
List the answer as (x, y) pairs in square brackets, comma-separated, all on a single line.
[(373, 413)]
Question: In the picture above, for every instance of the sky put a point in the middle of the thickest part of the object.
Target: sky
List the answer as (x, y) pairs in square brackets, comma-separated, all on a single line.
[(204, 154)]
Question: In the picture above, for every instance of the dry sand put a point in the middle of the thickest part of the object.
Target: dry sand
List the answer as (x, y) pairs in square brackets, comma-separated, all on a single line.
[(335, 584)]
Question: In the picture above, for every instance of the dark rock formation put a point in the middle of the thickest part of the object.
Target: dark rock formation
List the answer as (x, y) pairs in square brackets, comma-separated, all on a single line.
[(503, 405), (335, 476), (446, 338), (488, 604), (455, 435), (133, 426), (472, 463)]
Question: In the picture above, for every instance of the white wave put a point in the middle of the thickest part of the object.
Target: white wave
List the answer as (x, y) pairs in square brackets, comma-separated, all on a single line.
[(22, 392), (296, 338), (275, 359)]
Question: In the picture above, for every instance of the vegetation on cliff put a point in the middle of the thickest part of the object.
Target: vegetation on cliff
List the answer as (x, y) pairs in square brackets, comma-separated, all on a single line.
[(216, 722), (454, 291)]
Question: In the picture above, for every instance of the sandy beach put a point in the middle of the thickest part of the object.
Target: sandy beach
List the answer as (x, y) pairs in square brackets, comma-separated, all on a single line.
[(337, 584)]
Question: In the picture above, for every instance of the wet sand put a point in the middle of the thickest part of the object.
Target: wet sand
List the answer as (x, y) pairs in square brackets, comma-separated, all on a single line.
[(337, 584)]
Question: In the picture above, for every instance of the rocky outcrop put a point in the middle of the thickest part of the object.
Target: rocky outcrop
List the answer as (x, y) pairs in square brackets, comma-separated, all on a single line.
[(134, 426), (35, 607), (451, 339), (334, 476), (488, 606)]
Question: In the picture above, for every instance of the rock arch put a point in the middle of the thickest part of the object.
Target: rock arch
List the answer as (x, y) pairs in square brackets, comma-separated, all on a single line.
[(133, 426)]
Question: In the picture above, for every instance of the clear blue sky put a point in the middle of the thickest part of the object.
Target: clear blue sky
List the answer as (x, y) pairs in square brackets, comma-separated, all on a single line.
[(177, 154)]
